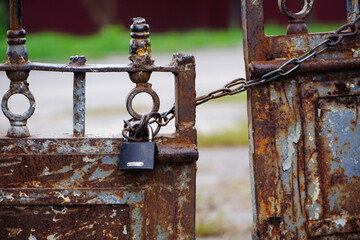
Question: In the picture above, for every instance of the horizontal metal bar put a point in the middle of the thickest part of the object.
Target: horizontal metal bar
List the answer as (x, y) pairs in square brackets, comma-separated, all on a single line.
[(179, 153), (73, 196), (86, 68), (168, 152), (259, 68)]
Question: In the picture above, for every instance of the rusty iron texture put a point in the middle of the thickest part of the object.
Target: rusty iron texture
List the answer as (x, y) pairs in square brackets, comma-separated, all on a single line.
[(304, 133), (78, 97), (259, 68), (70, 186)]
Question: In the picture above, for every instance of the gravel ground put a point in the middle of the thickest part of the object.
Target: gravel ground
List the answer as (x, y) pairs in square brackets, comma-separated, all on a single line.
[(223, 182), (223, 192)]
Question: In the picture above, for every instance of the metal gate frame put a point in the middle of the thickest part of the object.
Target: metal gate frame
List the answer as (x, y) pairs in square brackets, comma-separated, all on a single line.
[(303, 186), (70, 186)]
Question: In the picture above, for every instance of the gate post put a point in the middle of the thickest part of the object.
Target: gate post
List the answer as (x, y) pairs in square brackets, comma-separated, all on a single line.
[(304, 130)]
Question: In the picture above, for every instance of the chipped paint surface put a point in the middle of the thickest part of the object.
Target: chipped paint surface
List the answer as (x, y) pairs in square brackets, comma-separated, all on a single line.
[(304, 132), (290, 141)]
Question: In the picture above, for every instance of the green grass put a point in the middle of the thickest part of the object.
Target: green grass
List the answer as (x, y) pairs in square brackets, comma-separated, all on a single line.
[(235, 137), (58, 47), (231, 98), (4, 18), (195, 39), (206, 228), (51, 46)]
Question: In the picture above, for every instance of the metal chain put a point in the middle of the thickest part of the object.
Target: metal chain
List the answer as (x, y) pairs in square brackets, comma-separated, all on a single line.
[(137, 130)]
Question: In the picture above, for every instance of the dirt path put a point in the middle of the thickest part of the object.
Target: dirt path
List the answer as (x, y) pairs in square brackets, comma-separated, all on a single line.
[(224, 194)]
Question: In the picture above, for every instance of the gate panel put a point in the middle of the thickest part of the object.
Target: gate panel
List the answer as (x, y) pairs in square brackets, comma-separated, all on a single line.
[(49, 222), (304, 134), (82, 177), (70, 186), (332, 146)]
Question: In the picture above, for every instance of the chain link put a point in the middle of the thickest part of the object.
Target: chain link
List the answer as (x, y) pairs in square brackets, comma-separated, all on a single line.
[(137, 130)]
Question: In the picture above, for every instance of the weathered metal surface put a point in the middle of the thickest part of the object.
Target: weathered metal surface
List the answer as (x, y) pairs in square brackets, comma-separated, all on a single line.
[(331, 155), (259, 68), (70, 186), (304, 134), (23, 222), (79, 104), (79, 98)]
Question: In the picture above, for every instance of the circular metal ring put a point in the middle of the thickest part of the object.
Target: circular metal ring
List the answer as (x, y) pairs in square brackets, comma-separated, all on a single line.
[(308, 4), (133, 93), (18, 117)]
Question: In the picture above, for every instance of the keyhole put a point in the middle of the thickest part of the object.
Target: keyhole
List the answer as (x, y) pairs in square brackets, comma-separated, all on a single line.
[(18, 104), (142, 103)]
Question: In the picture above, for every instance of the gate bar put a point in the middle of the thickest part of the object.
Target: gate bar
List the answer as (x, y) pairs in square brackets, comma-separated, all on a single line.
[(352, 10), (259, 68), (16, 14), (79, 104)]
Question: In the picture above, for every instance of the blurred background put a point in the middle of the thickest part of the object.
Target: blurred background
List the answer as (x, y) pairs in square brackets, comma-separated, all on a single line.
[(208, 29)]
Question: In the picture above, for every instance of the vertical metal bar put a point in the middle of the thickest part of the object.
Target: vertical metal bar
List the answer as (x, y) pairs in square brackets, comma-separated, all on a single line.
[(253, 30), (185, 96), (352, 10), (15, 14), (16, 36), (79, 104), (261, 138), (185, 128)]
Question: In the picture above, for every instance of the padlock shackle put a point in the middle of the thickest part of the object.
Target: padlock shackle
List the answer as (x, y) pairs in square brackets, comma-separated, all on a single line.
[(151, 133)]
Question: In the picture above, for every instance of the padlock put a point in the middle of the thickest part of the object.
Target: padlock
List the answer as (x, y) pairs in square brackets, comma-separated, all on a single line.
[(138, 155)]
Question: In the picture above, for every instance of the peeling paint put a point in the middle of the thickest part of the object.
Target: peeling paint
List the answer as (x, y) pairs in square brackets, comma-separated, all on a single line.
[(125, 230), (292, 139), (52, 237), (13, 232), (109, 160), (61, 195), (32, 237), (89, 160), (100, 174), (162, 235), (45, 172), (340, 222), (113, 214)]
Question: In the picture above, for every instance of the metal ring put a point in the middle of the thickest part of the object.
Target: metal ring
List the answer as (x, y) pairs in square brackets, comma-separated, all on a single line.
[(18, 117), (308, 4), (133, 93)]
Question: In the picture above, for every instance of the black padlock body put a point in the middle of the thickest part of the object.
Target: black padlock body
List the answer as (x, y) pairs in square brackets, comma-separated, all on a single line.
[(137, 156)]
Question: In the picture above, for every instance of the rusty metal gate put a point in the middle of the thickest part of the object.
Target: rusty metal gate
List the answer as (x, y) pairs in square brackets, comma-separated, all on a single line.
[(71, 187), (304, 128)]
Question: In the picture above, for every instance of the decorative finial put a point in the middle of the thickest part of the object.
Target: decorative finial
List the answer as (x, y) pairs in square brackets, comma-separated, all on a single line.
[(140, 49)]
